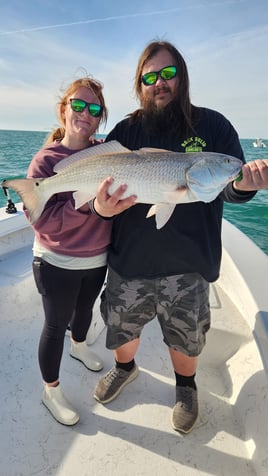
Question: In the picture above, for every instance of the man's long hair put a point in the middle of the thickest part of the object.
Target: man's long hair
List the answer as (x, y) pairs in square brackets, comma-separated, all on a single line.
[(186, 111)]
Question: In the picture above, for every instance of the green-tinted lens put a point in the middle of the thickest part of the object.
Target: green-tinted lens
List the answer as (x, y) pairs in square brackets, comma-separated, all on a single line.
[(94, 109), (168, 73), (78, 105), (149, 78)]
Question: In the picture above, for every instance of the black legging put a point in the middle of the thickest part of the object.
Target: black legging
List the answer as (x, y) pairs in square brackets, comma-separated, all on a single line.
[(68, 297)]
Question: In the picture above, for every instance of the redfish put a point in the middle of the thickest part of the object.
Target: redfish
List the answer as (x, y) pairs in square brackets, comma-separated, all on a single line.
[(158, 177)]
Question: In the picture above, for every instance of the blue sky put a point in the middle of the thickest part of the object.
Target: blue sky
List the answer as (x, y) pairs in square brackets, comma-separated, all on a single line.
[(45, 44)]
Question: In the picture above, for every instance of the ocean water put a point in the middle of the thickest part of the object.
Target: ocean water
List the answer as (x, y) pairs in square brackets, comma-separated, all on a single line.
[(18, 147)]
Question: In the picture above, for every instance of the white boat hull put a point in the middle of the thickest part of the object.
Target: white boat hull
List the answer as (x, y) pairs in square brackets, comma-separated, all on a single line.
[(133, 435)]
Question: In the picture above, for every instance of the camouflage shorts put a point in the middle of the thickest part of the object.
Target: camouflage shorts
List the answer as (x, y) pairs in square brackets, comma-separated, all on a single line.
[(181, 304)]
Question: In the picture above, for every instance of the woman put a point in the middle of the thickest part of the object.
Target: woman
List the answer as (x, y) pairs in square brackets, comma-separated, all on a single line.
[(70, 245)]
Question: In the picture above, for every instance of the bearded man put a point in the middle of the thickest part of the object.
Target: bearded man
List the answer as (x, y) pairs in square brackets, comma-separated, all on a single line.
[(166, 273)]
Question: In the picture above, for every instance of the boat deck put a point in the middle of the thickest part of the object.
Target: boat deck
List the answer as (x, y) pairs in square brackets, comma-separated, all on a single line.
[(131, 435)]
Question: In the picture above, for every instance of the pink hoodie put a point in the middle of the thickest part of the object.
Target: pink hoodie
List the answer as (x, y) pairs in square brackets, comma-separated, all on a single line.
[(61, 228)]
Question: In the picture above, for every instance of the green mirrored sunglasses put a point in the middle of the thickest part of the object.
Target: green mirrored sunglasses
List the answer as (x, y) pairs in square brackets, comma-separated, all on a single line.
[(78, 105), (168, 72)]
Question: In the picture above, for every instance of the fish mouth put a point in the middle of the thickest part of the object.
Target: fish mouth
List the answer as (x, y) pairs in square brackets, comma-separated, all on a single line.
[(238, 177)]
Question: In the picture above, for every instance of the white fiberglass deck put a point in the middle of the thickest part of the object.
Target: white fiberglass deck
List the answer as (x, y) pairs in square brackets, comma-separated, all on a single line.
[(132, 435)]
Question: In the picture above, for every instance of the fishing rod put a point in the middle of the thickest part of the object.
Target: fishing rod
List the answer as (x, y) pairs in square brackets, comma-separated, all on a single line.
[(10, 207)]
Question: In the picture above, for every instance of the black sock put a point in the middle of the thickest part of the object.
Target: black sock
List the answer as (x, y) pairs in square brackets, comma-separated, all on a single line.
[(128, 366), (182, 381)]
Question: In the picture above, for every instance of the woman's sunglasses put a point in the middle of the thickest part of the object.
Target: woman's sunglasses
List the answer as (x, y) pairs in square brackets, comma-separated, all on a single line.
[(169, 72), (78, 105)]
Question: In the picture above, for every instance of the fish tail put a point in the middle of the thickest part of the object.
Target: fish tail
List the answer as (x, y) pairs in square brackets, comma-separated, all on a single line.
[(28, 191)]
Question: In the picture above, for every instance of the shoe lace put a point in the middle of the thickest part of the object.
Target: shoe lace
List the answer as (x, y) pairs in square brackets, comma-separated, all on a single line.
[(113, 374)]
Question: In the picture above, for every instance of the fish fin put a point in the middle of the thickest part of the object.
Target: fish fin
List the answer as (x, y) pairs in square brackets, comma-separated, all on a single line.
[(162, 212), (81, 198), (28, 191), (111, 147), (151, 211)]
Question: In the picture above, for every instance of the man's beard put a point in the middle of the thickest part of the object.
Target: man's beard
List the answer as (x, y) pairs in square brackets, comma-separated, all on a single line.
[(159, 120)]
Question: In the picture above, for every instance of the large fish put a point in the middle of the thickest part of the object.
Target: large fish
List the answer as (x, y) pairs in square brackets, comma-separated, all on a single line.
[(158, 177)]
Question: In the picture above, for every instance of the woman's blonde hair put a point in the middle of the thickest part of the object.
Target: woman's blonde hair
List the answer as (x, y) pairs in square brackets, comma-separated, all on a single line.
[(87, 82)]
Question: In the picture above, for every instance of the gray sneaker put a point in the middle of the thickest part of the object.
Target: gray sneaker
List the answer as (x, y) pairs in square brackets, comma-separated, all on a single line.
[(185, 411), (113, 382)]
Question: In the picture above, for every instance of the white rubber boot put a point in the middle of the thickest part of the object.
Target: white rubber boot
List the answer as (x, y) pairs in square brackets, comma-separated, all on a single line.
[(80, 351), (58, 406)]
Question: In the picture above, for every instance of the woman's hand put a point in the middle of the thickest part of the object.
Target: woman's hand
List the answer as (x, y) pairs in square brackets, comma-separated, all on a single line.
[(109, 205), (255, 176)]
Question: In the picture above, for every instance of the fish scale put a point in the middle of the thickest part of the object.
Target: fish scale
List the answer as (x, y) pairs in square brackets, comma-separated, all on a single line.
[(143, 179)]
